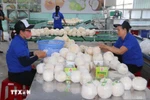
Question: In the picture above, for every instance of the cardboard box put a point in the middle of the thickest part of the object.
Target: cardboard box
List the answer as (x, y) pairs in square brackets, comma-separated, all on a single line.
[(101, 72), (68, 72)]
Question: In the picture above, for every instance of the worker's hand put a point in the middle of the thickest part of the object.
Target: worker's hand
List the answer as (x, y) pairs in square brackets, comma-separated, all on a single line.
[(1, 18), (33, 66), (36, 52), (41, 54), (10, 20), (102, 46)]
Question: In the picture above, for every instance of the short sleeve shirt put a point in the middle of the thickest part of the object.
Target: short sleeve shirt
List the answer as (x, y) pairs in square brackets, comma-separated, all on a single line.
[(18, 48), (133, 55), (58, 20)]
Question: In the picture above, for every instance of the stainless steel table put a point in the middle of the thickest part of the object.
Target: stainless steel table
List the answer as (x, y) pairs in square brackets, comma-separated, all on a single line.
[(41, 90)]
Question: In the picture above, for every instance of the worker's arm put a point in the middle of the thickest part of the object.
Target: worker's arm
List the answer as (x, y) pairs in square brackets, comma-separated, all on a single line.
[(27, 61), (119, 51), (31, 54), (8, 19), (34, 53), (64, 21), (1, 18)]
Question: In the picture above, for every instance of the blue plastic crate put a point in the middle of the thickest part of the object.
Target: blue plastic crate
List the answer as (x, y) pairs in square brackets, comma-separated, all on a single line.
[(50, 45), (144, 33)]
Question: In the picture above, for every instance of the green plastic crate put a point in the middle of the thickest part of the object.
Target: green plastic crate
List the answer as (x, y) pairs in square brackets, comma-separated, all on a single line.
[(77, 38), (88, 38)]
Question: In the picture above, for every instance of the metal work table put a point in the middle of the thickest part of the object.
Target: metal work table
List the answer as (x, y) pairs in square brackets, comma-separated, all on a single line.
[(41, 90)]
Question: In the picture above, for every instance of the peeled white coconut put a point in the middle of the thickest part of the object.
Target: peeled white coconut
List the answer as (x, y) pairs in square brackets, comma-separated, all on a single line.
[(79, 61), (70, 56), (75, 76), (78, 34), (82, 48), (83, 33), (48, 86), (96, 82), (58, 38), (49, 66), (91, 65), (55, 54), (84, 71), (92, 32), (60, 76), (74, 33), (61, 31), (97, 57), (52, 31), (65, 38), (81, 29), (122, 68), (69, 43), (85, 77), (139, 83), (70, 32), (61, 60), (75, 88), (83, 67), (88, 91), (61, 87), (40, 68), (116, 58), (74, 48), (117, 88), (74, 29), (106, 63), (48, 75), (79, 54), (96, 50), (108, 56), (87, 58), (145, 46), (63, 52), (89, 50), (59, 67), (67, 29), (105, 89), (46, 59), (127, 82), (87, 66), (52, 60), (104, 80), (87, 32), (113, 64), (56, 31)]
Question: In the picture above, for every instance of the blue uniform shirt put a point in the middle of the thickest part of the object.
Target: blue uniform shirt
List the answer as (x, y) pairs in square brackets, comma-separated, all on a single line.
[(133, 55), (58, 20), (17, 48)]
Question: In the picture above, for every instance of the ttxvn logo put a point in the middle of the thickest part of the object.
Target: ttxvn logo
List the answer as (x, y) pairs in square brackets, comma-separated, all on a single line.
[(20, 92)]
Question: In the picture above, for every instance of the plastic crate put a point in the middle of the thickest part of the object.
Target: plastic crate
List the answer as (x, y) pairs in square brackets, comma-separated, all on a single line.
[(144, 33), (76, 38), (88, 38), (135, 32), (50, 46)]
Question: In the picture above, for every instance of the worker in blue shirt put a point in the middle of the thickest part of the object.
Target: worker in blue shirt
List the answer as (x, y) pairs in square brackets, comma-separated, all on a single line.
[(58, 17), (126, 47), (18, 57)]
